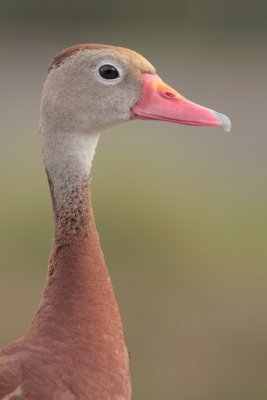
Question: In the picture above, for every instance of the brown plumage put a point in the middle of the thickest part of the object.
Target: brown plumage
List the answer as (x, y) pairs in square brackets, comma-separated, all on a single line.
[(17, 397), (75, 346), (78, 317), (70, 51)]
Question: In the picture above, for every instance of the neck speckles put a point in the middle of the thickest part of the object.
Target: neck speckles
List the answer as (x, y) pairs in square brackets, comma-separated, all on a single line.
[(71, 210)]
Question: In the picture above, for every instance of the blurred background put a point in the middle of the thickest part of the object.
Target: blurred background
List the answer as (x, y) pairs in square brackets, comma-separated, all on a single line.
[(181, 211)]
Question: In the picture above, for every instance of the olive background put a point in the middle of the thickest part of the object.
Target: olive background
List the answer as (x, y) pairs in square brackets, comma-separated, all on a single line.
[(181, 211)]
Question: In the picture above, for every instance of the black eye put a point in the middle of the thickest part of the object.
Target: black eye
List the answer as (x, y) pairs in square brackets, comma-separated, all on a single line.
[(108, 72)]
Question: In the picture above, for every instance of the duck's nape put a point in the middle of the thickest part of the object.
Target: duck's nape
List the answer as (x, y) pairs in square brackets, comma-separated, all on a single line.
[(75, 346)]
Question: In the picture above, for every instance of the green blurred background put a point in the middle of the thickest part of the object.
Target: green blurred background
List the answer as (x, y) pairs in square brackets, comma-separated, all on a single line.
[(181, 211)]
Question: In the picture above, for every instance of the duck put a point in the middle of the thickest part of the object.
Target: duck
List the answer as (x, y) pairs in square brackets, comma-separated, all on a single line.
[(75, 348)]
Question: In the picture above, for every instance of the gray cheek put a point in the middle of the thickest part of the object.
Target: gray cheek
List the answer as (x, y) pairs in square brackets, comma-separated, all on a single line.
[(113, 102)]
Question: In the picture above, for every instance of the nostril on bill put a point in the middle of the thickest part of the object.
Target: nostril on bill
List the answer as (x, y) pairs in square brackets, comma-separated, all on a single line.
[(169, 94)]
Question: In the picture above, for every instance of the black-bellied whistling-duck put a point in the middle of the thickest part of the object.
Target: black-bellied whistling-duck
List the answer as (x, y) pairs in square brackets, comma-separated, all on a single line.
[(75, 346)]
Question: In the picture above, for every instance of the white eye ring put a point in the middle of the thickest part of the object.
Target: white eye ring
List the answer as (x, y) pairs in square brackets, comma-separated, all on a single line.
[(112, 64)]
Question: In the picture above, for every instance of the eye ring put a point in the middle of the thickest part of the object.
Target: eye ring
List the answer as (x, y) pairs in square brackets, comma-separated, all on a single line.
[(114, 77), (108, 72)]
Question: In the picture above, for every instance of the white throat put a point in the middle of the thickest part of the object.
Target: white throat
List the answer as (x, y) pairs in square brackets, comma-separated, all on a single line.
[(68, 159)]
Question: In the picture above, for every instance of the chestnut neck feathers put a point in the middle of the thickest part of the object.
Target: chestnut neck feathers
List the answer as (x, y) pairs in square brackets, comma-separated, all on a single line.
[(78, 318)]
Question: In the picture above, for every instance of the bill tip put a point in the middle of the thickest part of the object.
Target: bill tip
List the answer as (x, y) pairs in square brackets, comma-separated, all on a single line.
[(225, 121)]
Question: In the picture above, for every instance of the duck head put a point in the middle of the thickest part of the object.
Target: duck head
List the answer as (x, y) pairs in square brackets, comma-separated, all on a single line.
[(93, 87)]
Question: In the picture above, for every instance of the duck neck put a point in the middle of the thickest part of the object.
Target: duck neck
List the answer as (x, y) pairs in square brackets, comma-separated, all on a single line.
[(68, 168), (79, 309)]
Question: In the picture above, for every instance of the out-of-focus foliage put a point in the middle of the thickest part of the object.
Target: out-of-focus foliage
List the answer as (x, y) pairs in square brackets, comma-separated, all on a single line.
[(181, 212)]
